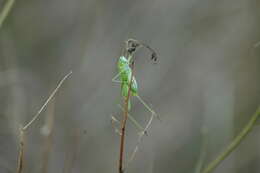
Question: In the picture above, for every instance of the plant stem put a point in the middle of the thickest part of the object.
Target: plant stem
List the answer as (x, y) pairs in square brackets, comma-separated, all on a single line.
[(23, 129), (234, 144), (21, 153), (6, 9), (36, 116), (203, 150), (123, 125)]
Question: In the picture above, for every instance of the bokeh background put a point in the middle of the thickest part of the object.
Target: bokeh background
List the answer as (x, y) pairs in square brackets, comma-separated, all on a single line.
[(205, 86)]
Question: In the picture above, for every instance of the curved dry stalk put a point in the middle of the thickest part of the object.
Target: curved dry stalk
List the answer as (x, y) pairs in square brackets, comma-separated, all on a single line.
[(6, 9), (133, 45), (24, 128), (234, 144), (36, 116)]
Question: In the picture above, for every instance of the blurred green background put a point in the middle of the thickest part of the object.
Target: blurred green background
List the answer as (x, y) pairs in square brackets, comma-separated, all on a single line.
[(207, 77)]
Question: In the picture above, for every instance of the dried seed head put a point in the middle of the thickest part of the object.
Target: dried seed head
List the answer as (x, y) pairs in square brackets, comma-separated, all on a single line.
[(154, 56), (132, 45)]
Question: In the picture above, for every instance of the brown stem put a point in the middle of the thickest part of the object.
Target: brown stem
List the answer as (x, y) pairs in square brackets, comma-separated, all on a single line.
[(21, 153), (123, 125)]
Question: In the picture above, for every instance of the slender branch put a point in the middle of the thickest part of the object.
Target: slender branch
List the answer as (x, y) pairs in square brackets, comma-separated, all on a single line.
[(46, 102), (6, 9), (234, 144), (123, 125)]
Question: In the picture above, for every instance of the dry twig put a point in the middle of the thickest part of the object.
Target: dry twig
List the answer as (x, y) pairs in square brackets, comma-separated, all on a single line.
[(20, 164)]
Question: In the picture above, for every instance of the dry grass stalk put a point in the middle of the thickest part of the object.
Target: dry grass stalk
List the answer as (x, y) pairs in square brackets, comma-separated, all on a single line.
[(20, 165), (21, 153)]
